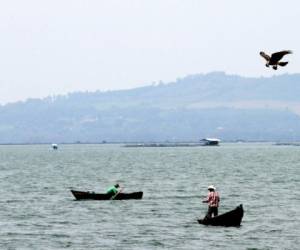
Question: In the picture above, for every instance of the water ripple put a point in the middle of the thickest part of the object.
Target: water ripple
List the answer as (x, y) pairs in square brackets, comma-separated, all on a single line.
[(38, 210)]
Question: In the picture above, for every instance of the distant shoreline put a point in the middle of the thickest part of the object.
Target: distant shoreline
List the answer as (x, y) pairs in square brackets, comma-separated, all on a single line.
[(154, 144)]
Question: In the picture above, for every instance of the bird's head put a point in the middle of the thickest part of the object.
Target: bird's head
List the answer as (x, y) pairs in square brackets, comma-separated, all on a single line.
[(262, 53)]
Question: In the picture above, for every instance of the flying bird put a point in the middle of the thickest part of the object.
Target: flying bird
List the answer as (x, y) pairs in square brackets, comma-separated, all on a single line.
[(274, 59)]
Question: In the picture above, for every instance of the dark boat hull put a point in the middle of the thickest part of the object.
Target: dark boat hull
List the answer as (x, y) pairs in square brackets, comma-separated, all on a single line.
[(80, 195), (232, 218)]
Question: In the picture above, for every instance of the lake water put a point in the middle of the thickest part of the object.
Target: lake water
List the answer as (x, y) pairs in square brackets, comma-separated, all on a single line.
[(38, 210)]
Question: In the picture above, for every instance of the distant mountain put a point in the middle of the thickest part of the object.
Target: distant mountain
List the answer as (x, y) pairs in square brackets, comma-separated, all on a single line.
[(229, 107)]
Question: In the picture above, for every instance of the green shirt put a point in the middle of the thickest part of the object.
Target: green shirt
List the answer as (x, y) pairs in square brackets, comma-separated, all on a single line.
[(112, 190)]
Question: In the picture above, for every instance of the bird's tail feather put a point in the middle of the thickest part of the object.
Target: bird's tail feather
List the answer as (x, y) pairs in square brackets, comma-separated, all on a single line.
[(282, 63)]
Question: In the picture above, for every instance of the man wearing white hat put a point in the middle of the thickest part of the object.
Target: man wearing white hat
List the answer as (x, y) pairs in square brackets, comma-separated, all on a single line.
[(213, 200)]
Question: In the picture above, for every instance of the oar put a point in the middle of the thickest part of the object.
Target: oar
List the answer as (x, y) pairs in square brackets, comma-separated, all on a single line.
[(113, 197)]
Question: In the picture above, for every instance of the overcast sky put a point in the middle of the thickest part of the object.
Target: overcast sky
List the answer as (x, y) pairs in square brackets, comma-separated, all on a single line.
[(54, 47)]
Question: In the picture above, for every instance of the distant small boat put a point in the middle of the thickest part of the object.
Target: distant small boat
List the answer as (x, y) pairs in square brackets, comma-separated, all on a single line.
[(210, 142), (54, 146), (81, 195), (232, 218)]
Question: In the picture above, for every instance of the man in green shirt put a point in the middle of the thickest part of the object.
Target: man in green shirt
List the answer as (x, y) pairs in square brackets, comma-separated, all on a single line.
[(113, 190)]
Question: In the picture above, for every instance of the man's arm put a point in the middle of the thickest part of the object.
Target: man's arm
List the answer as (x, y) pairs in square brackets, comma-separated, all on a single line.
[(206, 200)]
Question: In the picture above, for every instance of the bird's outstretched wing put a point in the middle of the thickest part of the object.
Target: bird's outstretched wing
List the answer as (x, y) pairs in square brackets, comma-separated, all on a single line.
[(264, 55), (278, 55)]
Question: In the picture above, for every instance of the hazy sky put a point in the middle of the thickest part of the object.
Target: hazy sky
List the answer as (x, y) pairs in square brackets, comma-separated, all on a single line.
[(54, 47)]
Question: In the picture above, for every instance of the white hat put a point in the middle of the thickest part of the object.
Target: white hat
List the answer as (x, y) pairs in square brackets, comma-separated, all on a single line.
[(211, 187)]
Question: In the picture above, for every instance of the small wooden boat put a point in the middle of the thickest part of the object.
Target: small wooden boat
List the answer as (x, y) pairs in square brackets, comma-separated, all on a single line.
[(80, 195), (232, 218)]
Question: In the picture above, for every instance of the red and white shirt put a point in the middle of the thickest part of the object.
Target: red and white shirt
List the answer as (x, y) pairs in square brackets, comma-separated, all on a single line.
[(213, 199)]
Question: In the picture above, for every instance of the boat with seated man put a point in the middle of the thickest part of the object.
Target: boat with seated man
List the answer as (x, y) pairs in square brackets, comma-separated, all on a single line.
[(82, 195), (232, 218)]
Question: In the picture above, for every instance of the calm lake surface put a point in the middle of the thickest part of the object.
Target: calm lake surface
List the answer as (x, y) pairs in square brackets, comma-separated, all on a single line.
[(38, 210)]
